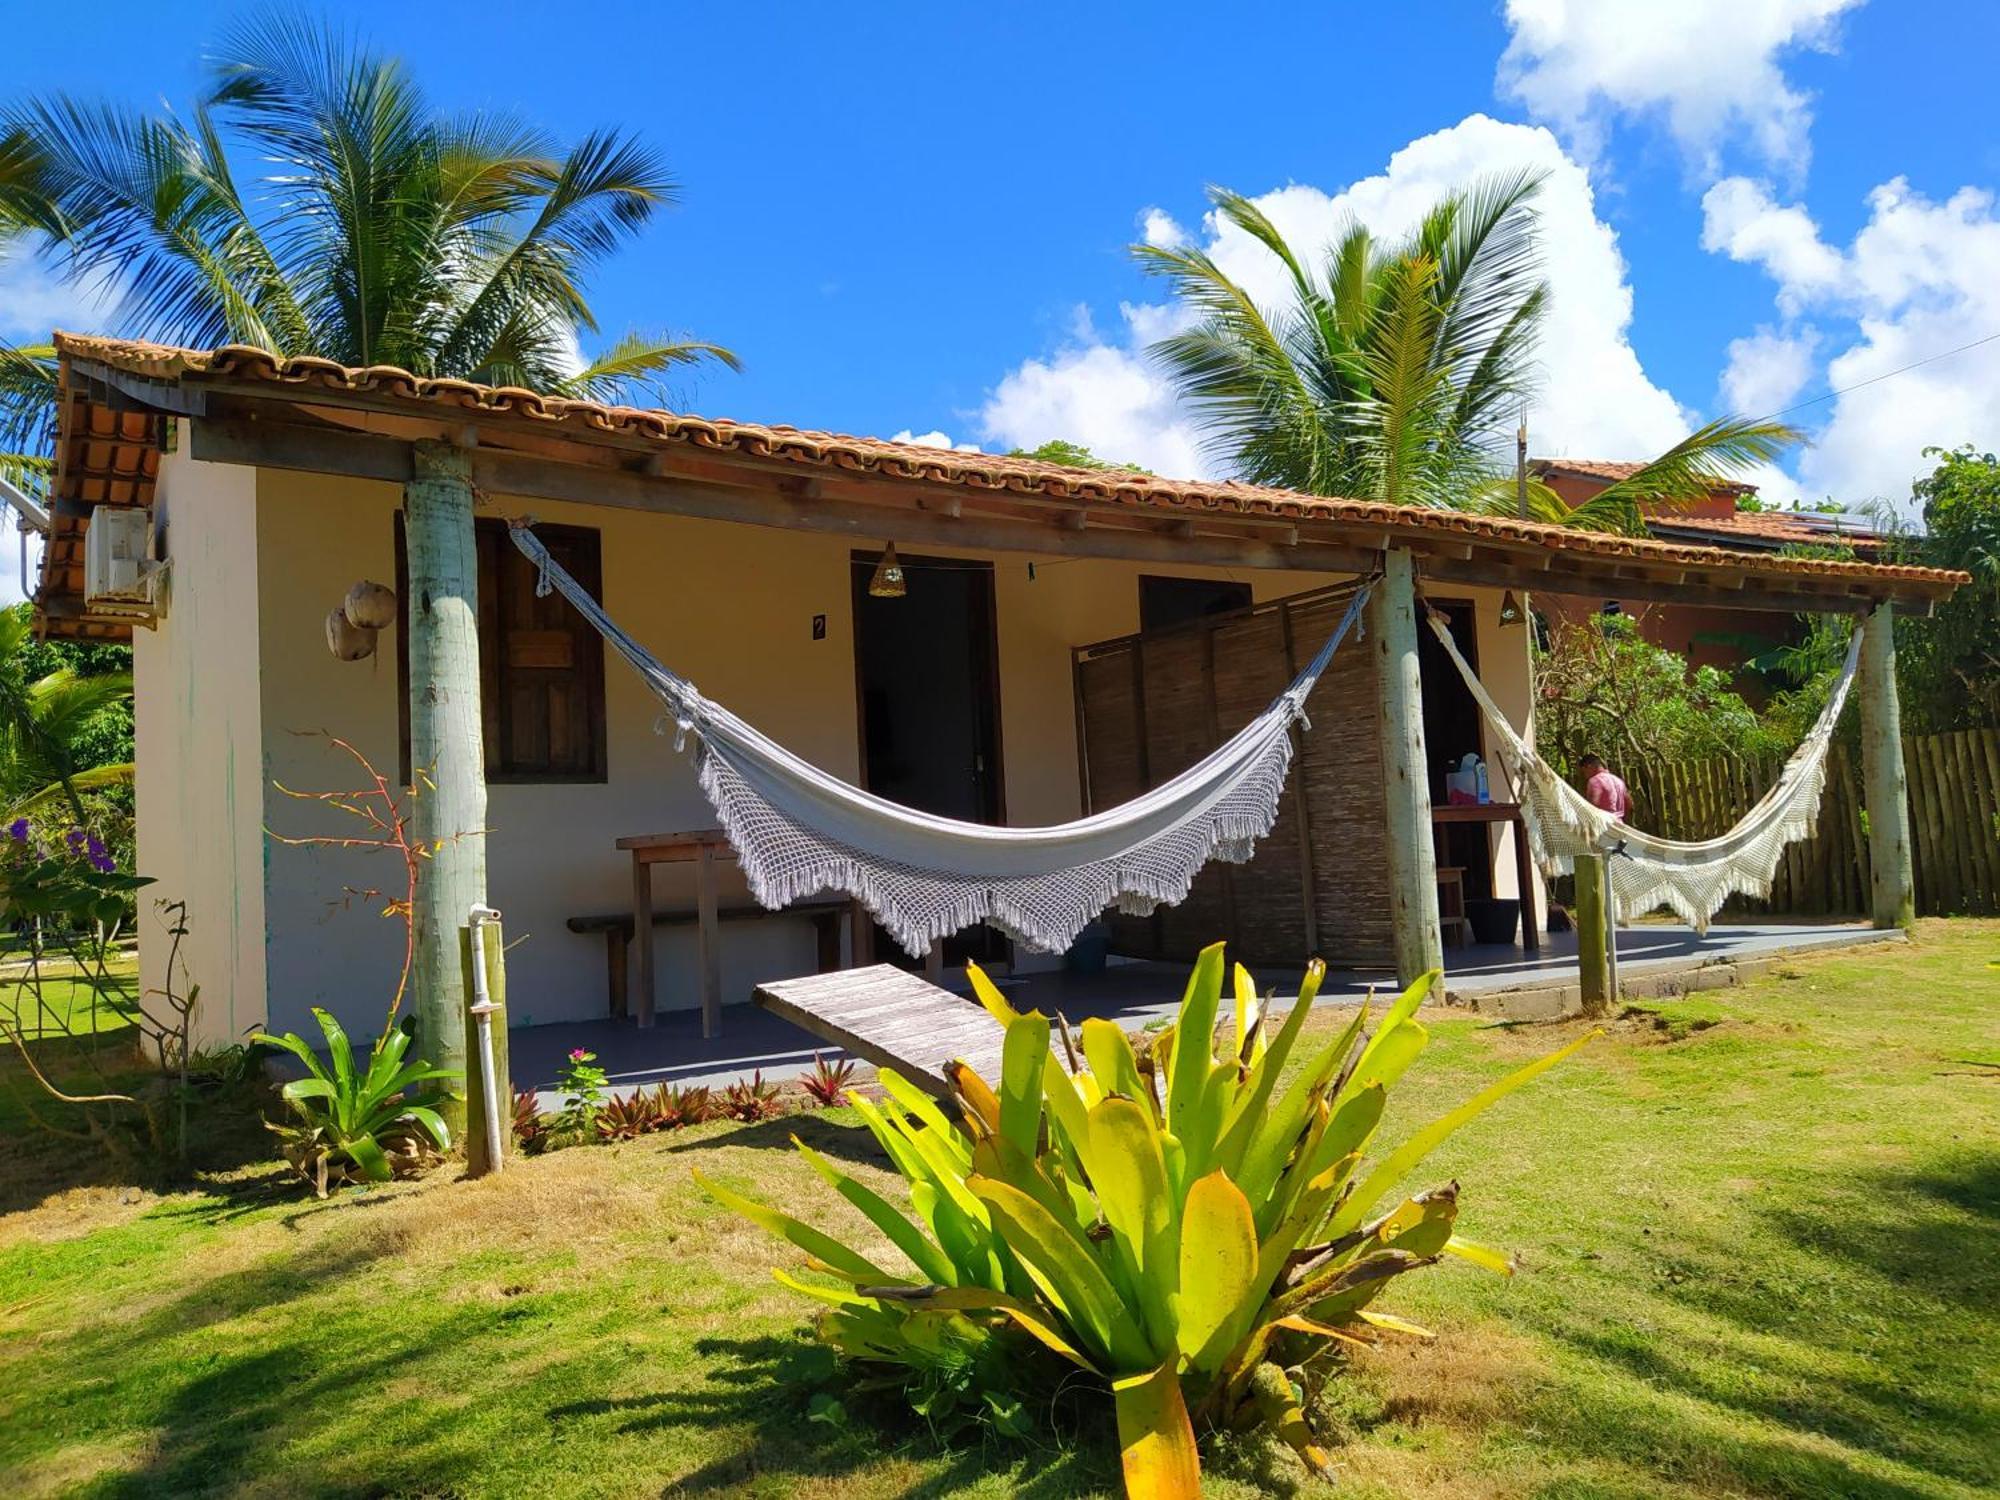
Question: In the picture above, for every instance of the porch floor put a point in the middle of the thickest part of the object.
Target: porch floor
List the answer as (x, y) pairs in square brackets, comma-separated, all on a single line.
[(674, 1051)]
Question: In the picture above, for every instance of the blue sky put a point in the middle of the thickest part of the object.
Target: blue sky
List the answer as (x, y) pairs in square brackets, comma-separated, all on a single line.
[(914, 219)]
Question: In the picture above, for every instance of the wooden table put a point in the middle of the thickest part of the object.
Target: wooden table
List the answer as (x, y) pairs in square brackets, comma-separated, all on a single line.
[(1524, 864), (702, 846)]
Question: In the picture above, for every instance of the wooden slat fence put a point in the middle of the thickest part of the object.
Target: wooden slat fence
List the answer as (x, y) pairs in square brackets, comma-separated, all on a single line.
[(1954, 782)]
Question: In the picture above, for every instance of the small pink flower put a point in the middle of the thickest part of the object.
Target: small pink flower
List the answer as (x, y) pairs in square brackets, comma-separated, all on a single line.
[(577, 1054)]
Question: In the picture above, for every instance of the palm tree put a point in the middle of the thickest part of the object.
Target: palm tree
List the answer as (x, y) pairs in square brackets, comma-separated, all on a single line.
[(1396, 372), (46, 728), (383, 232)]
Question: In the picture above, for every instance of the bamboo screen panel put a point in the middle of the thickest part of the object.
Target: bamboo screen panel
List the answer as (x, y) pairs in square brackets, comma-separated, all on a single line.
[(1150, 705)]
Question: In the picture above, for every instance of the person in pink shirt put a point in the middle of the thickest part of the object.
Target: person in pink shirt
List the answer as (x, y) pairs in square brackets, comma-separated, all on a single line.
[(1604, 787)]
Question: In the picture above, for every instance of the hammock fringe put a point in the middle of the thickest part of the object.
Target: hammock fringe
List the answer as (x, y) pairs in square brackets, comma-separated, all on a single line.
[(800, 832), (1693, 879)]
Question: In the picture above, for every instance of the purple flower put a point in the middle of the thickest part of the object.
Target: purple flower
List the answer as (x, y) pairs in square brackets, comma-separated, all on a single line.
[(74, 838), (95, 847), (577, 1054), (18, 830), (104, 864)]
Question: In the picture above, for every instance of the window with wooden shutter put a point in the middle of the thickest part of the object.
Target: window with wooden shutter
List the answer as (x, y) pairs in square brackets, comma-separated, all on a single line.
[(541, 666)]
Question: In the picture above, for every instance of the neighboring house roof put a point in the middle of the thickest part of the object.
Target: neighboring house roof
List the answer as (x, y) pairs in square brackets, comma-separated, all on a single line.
[(1769, 530), (1610, 471), (117, 393)]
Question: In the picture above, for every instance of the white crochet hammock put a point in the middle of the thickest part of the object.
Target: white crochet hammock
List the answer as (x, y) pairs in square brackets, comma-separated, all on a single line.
[(1646, 872), (799, 831)]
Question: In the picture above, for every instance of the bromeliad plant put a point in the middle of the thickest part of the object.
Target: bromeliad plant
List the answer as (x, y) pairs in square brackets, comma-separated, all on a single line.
[(1177, 1225), (359, 1121)]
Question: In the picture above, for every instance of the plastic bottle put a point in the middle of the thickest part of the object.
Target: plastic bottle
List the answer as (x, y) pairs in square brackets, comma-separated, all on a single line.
[(1485, 791)]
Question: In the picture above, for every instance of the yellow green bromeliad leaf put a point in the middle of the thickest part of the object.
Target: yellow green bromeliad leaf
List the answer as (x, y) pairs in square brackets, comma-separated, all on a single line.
[(1109, 1052), (1194, 1041), (1064, 1266), (1248, 1013), (1030, 1318), (1155, 1437), (838, 1258), (1401, 1162), (1480, 1255), (1024, 1060), (1248, 1110), (1218, 1270), (1130, 1176), (929, 1259)]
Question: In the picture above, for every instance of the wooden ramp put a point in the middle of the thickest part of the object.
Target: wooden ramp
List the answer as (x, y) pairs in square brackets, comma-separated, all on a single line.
[(892, 1019)]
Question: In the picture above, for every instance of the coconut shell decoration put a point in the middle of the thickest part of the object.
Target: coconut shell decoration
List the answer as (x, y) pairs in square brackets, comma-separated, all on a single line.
[(346, 640), (370, 606)]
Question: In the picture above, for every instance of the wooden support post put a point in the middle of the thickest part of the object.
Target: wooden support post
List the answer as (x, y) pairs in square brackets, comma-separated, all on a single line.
[(1593, 935), (1392, 623), (642, 938), (447, 753), (1892, 875), (709, 942), (477, 1160)]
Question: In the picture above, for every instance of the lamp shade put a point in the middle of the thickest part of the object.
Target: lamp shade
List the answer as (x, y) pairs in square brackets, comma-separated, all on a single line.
[(887, 580), (1510, 609)]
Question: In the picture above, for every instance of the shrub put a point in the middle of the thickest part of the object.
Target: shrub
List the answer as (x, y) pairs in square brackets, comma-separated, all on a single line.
[(629, 1118), (681, 1105), (582, 1086), (530, 1124), (827, 1082), (358, 1122), (1196, 1239), (752, 1099)]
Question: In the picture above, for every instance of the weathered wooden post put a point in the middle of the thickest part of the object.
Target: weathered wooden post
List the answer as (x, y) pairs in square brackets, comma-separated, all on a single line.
[(1392, 621), (1593, 934), (1892, 874), (447, 748)]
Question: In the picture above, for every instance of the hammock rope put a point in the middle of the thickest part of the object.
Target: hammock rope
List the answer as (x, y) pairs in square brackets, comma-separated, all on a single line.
[(1646, 871), (799, 831)]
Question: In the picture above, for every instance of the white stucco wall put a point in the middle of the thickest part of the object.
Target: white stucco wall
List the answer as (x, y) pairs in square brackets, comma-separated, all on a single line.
[(731, 606), (200, 747)]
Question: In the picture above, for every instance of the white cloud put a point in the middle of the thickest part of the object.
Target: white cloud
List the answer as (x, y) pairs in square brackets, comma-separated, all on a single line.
[(1920, 278), (1767, 370), (1742, 220), (933, 439), (1596, 400), (10, 561), (34, 300), (1160, 229), (1709, 68)]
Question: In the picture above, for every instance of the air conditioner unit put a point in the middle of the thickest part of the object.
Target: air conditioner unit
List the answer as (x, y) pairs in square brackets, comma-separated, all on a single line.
[(118, 574)]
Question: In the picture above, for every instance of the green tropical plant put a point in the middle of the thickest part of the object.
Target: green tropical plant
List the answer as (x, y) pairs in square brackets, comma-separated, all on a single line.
[(383, 231), (750, 1100), (682, 1104), (49, 727), (358, 1121), (827, 1083), (631, 1116), (1181, 1228), (1396, 372)]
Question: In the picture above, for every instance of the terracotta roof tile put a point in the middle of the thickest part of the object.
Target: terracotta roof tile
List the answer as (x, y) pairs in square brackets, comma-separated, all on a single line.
[(910, 461), (1612, 470)]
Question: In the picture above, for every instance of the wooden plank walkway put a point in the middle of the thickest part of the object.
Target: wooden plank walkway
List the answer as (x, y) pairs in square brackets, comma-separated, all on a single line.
[(893, 1019)]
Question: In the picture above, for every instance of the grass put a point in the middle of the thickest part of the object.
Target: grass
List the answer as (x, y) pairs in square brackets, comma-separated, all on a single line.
[(1758, 1235)]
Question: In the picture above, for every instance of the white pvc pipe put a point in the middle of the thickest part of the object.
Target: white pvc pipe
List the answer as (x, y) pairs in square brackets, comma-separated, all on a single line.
[(482, 1014)]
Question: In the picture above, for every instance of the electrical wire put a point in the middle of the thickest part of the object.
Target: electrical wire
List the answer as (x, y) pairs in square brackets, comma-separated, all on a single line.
[(1876, 379)]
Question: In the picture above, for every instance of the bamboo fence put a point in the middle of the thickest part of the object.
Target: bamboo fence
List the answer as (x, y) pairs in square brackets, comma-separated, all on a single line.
[(1954, 784)]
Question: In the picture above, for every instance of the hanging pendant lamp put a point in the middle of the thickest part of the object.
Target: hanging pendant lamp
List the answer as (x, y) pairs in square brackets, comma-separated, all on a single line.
[(1510, 609), (887, 580)]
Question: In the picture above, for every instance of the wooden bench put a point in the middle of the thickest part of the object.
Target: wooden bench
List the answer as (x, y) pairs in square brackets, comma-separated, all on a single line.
[(619, 926)]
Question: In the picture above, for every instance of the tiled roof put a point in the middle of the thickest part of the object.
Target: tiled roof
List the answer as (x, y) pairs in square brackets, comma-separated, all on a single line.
[(301, 378), (1774, 528), (1611, 471)]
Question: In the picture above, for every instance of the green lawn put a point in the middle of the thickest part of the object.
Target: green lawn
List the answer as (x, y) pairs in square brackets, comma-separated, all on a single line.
[(1759, 1234)]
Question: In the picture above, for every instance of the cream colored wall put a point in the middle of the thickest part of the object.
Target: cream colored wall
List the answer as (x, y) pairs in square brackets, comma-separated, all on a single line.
[(732, 607), (1504, 667), (199, 732)]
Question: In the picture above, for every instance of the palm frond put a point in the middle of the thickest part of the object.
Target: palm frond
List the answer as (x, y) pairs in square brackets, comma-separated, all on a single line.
[(639, 361), (1688, 471)]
